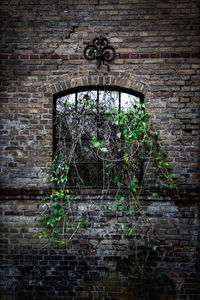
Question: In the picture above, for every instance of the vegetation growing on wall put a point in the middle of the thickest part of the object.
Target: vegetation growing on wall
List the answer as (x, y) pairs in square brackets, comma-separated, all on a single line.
[(124, 146)]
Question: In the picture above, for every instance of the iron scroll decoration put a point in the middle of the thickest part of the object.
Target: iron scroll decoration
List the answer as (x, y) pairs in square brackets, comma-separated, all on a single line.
[(100, 50)]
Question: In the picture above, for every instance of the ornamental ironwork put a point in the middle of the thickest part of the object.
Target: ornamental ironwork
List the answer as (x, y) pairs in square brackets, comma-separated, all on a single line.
[(100, 50)]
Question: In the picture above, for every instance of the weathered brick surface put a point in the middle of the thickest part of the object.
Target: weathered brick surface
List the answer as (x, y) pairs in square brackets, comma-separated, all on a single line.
[(100, 262), (157, 54), (42, 44)]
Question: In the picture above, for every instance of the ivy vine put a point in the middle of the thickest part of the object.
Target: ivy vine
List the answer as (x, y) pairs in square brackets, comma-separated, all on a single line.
[(126, 143)]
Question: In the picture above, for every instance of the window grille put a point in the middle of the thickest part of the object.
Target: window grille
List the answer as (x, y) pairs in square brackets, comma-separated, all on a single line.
[(80, 115)]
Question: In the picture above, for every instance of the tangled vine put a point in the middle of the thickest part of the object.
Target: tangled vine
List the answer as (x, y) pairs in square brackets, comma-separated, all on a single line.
[(125, 148)]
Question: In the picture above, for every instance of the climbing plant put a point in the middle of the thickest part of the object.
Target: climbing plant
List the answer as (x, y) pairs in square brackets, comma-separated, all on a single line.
[(128, 151)]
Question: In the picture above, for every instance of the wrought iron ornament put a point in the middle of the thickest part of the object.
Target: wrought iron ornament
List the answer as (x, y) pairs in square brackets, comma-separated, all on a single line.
[(100, 50)]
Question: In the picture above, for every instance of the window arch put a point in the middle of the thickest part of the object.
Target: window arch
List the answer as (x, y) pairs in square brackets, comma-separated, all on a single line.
[(81, 117)]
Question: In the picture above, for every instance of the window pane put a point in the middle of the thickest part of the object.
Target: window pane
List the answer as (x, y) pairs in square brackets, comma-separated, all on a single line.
[(88, 126), (108, 100), (74, 126), (65, 104), (85, 152), (87, 102), (106, 128), (128, 100), (88, 174)]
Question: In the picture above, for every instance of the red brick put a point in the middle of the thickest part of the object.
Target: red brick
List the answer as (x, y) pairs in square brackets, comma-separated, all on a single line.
[(36, 56), (134, 56), (123, 55), (165, 55), (144, 55)]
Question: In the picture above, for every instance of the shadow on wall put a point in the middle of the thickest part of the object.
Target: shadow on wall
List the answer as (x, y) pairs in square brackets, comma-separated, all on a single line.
[(144, 275), (117, 286), (117, 279), (132, 280)]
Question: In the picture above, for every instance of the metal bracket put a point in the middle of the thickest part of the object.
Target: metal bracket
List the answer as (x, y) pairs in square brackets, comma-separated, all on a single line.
[(100, 50)]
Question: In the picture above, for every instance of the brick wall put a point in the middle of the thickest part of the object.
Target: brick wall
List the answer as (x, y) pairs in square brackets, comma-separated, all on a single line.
[(157, 54), (101, 261), (42, 45)]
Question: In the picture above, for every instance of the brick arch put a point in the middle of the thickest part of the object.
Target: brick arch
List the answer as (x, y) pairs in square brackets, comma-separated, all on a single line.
[(118, 79)]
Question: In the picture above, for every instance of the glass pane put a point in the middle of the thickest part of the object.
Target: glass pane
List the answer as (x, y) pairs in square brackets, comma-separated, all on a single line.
[(66, 103), (85, 174), (89, 126), (108, 100), (87, 102), (106, 128), (128, 100), (75, 126), (85, 152)]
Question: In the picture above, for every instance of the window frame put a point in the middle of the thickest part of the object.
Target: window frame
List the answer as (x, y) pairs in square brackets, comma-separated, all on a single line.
[(98, 88)]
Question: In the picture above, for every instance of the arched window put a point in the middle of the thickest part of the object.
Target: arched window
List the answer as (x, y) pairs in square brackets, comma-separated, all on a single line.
[(83, 118)]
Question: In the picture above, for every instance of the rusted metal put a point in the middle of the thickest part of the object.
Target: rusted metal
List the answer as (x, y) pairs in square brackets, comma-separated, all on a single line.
[(100, 50)]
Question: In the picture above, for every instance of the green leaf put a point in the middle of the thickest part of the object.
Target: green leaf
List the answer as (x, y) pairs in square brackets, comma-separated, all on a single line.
[(128, 212), (126, 159), (133, 187), (116, 181), (123, 226), (82, 224), (97, 144), (119, 135), (167, 165), (130, 232), (121, 200), (133, 207), (121, 122), (156, 133), (136, 180), (120, 207), (68, 104), (155, 195), (104, 150)]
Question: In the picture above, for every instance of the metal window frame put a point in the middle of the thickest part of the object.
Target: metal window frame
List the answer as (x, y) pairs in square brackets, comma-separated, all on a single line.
[(98, 89)]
